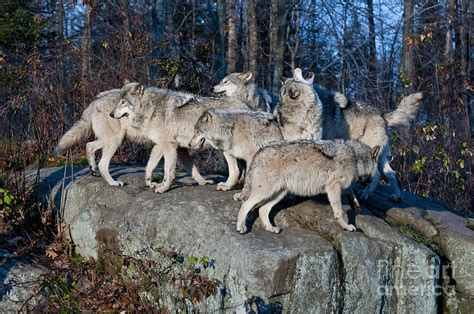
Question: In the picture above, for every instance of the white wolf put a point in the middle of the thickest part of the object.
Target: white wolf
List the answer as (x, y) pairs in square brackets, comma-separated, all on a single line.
[(167, 119), (242, 87), (304, 168), (109, 134), (346, 119), (238, 133)]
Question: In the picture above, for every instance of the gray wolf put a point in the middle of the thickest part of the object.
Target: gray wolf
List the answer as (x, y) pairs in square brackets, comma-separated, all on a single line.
[(109, 134), (167, 119), (304, 168), (370, 126), (336, 116), (238, 133), (242, 87), (299, 112)]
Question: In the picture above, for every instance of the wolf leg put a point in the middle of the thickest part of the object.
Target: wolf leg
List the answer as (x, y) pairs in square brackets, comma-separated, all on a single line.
[(186, 161), (264, 212), (334, 195), (391, 175), (91, 148), (155, 157), (247, 206), (170, 154), (353, 201), (244, 194), (233, 173), (107, 153), (372, 185)]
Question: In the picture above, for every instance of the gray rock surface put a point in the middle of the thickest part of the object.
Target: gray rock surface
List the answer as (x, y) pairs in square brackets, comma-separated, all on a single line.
[(19, 283), (311, 267)]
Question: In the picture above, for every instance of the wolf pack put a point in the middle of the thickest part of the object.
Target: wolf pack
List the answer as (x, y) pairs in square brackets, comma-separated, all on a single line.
[(313, 141)]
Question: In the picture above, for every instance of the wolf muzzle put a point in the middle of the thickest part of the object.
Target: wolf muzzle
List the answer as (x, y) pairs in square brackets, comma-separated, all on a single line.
[(192, 143)]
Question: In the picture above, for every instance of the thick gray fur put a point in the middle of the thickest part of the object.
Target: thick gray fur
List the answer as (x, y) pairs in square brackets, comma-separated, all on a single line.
[(238, 133), (303, 168), (242, 87), (167, 119)]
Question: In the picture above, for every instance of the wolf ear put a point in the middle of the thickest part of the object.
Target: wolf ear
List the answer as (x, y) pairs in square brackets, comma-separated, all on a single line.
[(298, 75), (294, 93), (207, 117), (375, 152), (139, 90), (283, 79), (310, 77), (126, 81), (341, 100), (246, 77)]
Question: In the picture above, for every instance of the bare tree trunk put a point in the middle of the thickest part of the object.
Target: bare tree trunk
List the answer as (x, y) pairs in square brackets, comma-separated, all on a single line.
[(295, 48), (128, 69), (372, 68), (231, 37), (86, 47), (451, 14), (252, 55), (221, 20), (408, 61), (279, 11), (170, 31), (157, 25), (61, 70)]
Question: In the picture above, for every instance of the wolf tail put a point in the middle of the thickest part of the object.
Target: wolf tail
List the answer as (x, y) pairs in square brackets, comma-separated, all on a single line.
[(81, 130), (405, 112)]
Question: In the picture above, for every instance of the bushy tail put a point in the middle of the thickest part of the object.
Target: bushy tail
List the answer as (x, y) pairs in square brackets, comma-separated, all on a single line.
[(405, 112), (81, 130)]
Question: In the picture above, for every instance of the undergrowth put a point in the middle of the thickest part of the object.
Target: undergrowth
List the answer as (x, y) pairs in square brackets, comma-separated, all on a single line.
[(169, 282)]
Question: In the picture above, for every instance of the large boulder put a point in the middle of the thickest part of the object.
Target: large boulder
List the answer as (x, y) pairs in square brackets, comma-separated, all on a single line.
[(414, 256), (312, 266)]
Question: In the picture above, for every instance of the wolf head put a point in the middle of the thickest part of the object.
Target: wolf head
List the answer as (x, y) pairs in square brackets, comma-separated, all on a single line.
[(234, 84), (366, 159), (210, 127), (129, 99), (298, 90)]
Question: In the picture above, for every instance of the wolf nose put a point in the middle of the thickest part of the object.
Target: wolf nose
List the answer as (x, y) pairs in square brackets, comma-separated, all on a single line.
[(111, 114)]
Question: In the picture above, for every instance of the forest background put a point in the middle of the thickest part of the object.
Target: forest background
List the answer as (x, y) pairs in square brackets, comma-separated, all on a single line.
[(56, 56)]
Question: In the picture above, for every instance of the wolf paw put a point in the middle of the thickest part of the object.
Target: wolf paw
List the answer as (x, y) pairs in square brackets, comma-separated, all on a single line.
[(161, 189), (273, 229), (204, 182), (241, 228), (117, 183), (350, 228), (93, 172), (237, 196), (222, 186), (152, 185)]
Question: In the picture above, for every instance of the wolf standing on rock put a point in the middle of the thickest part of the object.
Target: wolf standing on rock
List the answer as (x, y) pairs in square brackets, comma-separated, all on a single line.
[(300, 110), (342, 118), (238, 133), (167, 119), (241, 86), (304, 168)]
